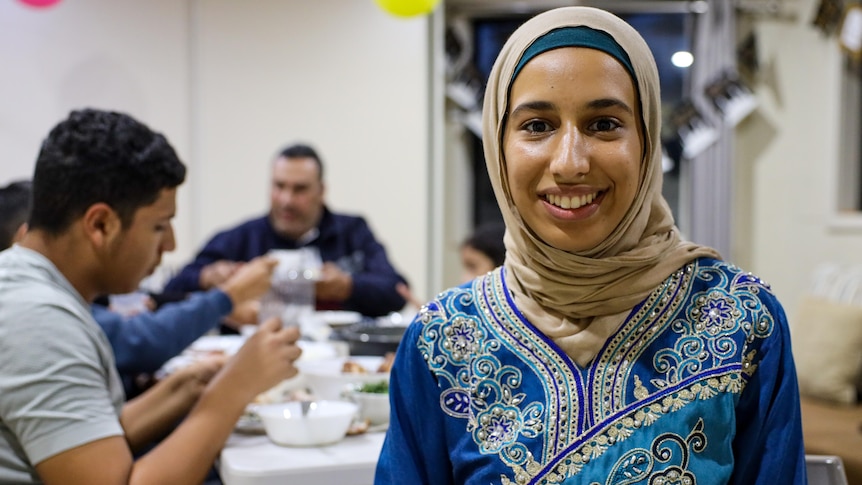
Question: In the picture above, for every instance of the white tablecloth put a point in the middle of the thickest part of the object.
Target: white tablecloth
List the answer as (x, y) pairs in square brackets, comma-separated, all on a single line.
[(255, 460)]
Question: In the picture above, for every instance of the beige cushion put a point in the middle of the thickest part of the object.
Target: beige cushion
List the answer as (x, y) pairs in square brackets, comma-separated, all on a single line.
[(827, 348)]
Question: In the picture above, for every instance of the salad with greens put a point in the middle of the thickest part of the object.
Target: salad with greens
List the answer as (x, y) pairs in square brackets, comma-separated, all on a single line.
[(381, 387)]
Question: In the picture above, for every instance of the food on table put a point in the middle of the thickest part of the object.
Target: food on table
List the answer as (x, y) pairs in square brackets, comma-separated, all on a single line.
[(386, 365), (358, 426), (381, 387), (270, 397), (353, 367)]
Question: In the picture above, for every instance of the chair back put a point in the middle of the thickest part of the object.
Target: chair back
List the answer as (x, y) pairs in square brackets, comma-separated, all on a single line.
[(825, 470), (838, 283)]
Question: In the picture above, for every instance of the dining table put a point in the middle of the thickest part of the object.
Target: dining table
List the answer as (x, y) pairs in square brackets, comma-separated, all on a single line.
[(253, 459), (250, 457)]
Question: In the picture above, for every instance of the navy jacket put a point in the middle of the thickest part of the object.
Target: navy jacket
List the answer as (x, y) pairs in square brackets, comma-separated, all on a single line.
[(344, 239)]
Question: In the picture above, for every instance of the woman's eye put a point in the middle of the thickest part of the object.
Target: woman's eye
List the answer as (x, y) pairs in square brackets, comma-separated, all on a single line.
[(604, 124), (536, 126)]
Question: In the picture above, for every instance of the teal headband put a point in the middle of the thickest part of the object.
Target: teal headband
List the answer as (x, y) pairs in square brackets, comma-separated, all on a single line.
[(576, 37)]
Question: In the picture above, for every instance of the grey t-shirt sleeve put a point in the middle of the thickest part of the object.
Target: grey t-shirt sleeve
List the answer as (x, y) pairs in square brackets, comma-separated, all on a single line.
[(56, 382)]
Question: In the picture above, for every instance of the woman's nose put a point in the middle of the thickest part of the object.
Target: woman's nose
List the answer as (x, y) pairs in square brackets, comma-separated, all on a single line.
[(571, 160)]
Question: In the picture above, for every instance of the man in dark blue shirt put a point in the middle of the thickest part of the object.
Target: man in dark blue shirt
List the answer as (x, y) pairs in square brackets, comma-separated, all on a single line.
[(356, 273)]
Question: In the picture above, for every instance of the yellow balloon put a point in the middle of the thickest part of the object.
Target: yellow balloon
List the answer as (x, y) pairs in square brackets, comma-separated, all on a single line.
[(408, 8)]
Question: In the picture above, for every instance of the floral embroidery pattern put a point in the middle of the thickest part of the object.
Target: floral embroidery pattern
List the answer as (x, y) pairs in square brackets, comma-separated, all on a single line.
[(498, 427), (698, 330), (714, 318), (480, 389)]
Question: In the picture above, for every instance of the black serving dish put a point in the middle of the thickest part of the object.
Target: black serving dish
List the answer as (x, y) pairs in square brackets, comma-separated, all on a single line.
[(371, 338)]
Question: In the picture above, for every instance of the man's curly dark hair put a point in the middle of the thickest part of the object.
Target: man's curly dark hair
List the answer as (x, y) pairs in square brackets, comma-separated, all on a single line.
[(100, 156)]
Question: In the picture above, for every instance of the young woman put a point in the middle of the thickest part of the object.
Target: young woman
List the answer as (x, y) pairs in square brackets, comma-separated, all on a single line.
[(483, 250), (606, 350)]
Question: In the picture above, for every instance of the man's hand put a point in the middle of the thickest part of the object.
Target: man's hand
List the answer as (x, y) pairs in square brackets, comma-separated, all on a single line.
[(250, 281), (408, 296), (243, 314), (334, 284), (189, 382), (152, 414), (266, 359), (217, 273)]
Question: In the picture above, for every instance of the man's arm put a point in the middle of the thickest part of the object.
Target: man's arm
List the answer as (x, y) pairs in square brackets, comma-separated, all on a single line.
[(220, 251), (374, 288), (186, 455), (144, 342), (150, 416), (244, 242)]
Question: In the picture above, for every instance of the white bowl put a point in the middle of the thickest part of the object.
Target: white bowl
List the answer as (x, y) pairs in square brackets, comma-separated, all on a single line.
[(327, 381), (373, 406), (325, 423)]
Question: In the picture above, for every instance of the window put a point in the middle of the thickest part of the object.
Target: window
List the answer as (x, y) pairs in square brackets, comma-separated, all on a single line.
[(850, 170)]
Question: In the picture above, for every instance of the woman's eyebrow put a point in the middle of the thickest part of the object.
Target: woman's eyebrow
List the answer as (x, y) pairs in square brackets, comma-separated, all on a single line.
[(532, 106), (602, 103), (610, 103)]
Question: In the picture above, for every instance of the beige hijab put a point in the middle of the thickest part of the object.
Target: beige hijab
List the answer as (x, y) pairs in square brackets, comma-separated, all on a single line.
[(580, 299)]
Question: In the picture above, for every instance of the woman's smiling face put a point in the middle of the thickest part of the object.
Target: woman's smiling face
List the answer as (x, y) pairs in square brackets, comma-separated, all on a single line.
[(572, 145)]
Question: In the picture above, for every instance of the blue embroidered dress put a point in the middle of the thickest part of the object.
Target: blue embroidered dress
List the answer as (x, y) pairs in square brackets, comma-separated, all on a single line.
[(695, 387)]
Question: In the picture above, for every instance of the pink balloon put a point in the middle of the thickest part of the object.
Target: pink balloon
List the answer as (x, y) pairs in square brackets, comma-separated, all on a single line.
[(40, 3)]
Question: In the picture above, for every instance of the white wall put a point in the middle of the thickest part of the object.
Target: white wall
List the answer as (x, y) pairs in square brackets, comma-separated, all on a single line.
[(788, 155), (98, 53), (339, 74), (230, 83)]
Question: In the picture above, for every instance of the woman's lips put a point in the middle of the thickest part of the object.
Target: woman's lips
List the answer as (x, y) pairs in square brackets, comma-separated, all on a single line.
[(571, 202), (572, 207)]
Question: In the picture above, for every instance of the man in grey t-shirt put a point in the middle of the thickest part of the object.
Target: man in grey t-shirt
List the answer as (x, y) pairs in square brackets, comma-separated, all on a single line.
[(104, 194)]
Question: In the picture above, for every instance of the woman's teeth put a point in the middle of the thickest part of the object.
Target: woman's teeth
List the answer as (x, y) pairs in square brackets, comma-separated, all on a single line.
[(570, 202)]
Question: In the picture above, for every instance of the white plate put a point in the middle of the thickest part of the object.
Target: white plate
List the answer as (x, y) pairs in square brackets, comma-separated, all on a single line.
[(336, 318), (200, 348), (228, 344), (333, 366)]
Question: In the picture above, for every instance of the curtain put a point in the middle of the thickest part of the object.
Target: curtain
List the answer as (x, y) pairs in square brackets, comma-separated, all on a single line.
[(710, 180)]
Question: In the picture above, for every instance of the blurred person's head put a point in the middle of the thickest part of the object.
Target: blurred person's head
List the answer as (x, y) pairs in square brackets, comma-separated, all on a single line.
[(14, 210), (106, 185), (483, 250), (296, 194)]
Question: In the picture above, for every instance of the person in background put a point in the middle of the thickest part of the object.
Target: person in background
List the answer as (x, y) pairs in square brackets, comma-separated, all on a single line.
[(356, 273), (483, 250), (14, 209), (143, 342), (606, 349), (104, 195)]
